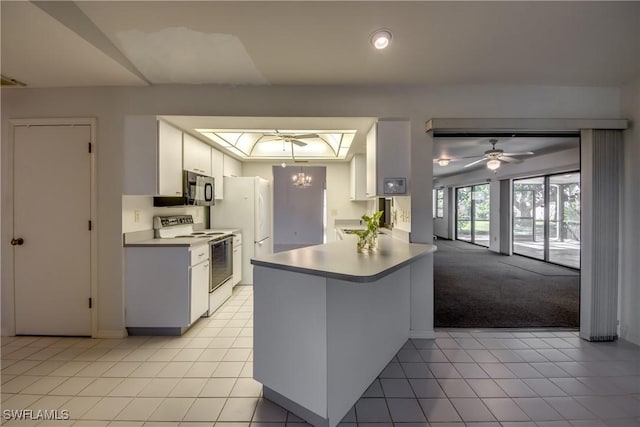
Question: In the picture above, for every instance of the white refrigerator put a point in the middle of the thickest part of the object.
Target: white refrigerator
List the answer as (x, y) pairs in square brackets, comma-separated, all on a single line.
[(246, 206)]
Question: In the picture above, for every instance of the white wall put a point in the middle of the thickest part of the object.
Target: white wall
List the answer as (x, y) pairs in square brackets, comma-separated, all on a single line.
[(562, 161), (417, 104), (338, 204), (630, 242)]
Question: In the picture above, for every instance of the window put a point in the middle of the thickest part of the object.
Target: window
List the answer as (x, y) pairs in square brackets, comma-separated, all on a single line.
[(440, 203)]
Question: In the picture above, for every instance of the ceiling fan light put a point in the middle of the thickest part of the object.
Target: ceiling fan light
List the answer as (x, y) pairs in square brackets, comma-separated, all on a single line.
[(493, 164), (443, 162), (380, 39)]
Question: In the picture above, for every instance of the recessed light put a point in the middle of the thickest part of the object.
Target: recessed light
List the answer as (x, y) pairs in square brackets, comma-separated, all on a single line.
[(380, 39)]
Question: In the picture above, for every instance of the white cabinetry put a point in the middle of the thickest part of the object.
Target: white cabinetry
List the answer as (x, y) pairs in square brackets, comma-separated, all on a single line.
[(197, 155), (152, 157), (237, 258), (166, 287), (358, 169), (232, 166), (217, 167), (388, 154)]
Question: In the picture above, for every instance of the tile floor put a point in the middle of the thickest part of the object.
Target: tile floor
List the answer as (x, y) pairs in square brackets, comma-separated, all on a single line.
[(482, 379)]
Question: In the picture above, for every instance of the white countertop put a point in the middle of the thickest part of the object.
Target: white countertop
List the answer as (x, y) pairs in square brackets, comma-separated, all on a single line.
[(340, 259), (180, 241)]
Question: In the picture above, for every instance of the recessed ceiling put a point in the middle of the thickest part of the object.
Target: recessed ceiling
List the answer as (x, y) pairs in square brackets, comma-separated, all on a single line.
[(465, 150), (283, 144), (315, 139), (593, 43)]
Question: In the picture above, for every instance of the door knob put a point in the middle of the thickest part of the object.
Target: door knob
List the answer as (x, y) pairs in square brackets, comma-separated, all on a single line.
[(19, 241)]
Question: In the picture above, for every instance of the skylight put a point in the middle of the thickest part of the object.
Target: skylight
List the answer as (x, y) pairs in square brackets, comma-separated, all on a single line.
[(283, 144)]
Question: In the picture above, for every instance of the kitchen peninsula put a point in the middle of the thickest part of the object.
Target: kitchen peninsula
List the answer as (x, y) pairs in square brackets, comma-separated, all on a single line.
[(327, 321)]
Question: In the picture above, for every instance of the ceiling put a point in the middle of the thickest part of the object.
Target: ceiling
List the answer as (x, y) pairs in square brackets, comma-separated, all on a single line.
[(105, 43), (473, 147), (127, 43)]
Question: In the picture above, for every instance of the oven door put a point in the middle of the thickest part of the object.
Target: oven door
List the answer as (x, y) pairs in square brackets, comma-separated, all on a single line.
[(221, 262)]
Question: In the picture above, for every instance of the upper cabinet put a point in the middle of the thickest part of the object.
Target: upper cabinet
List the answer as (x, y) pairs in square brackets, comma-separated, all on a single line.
[(152, 157), (197, 155), (358, 170), (232, 166), (388, 155), (217, 166)]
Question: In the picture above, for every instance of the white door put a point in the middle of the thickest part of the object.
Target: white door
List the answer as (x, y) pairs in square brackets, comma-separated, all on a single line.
[(52, 208)]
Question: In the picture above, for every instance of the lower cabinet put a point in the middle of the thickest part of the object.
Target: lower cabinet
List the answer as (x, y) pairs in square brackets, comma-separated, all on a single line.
[(237, 259), (166, 287), (199, 287)]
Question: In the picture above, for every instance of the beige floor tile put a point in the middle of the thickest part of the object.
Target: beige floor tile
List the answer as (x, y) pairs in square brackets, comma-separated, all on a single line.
[(140, 409), (188, 387), (95, 369), (172, 409), (44, 385), (106, 409), (100, 387), (175, 369), (159, 387), (19, 383), (148, 369), (218, 387), (122, 369), (205, 409), (130, 387), (238, 409), (201, 370)]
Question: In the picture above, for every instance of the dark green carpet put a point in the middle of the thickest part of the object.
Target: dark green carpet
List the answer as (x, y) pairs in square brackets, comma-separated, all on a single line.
[(476, 288)]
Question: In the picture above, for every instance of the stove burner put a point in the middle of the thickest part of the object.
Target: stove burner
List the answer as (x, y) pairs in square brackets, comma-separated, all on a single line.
[(195, 233), (214, 233)]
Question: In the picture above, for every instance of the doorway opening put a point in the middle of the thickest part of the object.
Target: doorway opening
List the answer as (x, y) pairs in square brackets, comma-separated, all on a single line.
[(472, 214), (299, 210)]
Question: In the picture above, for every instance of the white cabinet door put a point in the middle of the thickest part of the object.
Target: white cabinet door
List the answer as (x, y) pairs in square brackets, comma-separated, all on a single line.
[(169, 160), (237, 264), (197, 155), (199, 286), (217, 168), (371, 162), (232, 166), (358, 182), (152, 157)]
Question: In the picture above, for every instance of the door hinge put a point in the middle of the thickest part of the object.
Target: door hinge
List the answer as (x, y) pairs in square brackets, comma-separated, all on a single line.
[(90, 148), (90, 303), (90, 225)]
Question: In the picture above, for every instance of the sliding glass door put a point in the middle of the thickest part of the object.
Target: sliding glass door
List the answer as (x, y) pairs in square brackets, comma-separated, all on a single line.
[(472, 214), (546, 218)]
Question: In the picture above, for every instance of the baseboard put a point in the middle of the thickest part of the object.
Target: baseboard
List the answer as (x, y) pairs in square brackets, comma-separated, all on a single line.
[(423, 335), (111, 333)]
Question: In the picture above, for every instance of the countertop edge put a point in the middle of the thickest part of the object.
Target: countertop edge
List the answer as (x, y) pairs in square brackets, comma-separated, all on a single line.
[(346, 277)]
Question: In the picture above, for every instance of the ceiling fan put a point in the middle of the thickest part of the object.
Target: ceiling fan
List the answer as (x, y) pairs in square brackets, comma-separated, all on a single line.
[(293, 138), (493, 157)]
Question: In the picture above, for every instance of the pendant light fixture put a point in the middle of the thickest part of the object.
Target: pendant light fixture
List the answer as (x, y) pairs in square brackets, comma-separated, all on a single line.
[(493, 164), (301, 179)]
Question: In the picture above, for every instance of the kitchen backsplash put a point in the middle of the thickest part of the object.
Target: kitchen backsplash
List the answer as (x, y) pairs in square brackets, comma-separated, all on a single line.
[(138, 213)]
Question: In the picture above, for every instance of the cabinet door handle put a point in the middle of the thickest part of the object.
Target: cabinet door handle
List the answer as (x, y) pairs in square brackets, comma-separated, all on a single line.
[(206, 265), (201, 255)]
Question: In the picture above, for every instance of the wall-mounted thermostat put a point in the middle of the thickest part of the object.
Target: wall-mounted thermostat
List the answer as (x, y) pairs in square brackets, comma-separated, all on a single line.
[(395, 186)]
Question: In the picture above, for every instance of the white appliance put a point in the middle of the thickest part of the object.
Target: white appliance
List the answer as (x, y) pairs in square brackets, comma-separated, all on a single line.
[(247, 206)]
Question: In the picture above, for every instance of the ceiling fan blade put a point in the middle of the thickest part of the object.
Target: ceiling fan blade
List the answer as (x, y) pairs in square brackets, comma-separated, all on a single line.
[(299, 143), (307, 135), (509, 159), (523, 153), (473, 163), (269, 140)]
